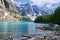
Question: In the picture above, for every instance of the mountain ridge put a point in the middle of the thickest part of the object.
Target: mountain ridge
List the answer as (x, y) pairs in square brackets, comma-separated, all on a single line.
[(8, 12), (35, 10)]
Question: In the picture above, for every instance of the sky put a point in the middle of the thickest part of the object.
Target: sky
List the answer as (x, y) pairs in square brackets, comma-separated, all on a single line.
[(37, 2)]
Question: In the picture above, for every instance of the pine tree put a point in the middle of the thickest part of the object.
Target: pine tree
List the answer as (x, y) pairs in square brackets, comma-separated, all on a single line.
[(57, 16)]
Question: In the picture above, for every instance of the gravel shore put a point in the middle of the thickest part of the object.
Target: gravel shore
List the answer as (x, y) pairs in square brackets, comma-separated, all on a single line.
[(31, 37)]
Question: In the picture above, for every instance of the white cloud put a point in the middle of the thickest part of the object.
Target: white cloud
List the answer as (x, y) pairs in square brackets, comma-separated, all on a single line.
[(39, 2), (42, 2), (54, 1), (49, 5)]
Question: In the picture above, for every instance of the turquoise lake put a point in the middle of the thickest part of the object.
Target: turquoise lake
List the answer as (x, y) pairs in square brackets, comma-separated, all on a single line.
[(23, 28)]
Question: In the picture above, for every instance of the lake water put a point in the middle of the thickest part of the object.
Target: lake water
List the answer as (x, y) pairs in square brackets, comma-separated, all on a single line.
[(22, 28)]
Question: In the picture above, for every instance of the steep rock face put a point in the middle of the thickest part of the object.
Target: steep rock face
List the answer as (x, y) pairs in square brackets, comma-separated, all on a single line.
[(8, 12)]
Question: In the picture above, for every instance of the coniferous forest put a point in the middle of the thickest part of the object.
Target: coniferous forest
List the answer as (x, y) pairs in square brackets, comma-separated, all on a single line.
[(53, 18)]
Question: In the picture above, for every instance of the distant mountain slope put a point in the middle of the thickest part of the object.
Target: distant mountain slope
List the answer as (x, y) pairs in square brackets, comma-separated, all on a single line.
[(32, 11), (8, 12)]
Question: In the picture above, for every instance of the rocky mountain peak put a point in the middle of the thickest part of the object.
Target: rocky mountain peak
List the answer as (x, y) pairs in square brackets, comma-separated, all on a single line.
[(8, 12)]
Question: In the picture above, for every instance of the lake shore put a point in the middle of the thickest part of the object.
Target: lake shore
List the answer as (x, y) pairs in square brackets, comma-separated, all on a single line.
[(30, 37), (25, 31)]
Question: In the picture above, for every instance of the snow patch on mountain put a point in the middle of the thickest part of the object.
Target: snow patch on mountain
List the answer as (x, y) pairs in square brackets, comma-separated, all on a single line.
[(40, 7)]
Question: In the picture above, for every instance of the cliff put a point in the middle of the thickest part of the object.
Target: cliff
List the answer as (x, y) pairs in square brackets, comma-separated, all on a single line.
[(8, 12)]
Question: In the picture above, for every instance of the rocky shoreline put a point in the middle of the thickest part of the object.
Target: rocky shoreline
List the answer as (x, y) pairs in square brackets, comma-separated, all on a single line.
[(31, 37)]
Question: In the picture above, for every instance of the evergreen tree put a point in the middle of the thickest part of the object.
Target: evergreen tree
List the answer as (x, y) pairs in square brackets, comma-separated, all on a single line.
[(57, 16), (52, 18)]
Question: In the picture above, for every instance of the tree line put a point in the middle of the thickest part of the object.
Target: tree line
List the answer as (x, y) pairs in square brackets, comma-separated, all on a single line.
[(51, 18)]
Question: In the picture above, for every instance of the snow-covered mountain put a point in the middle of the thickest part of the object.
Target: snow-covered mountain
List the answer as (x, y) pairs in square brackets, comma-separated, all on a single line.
[(34, 9)]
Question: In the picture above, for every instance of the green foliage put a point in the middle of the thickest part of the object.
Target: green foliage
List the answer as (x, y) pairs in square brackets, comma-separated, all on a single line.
[(52, 18), (39, 19), (26, 19), (57, 16)]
